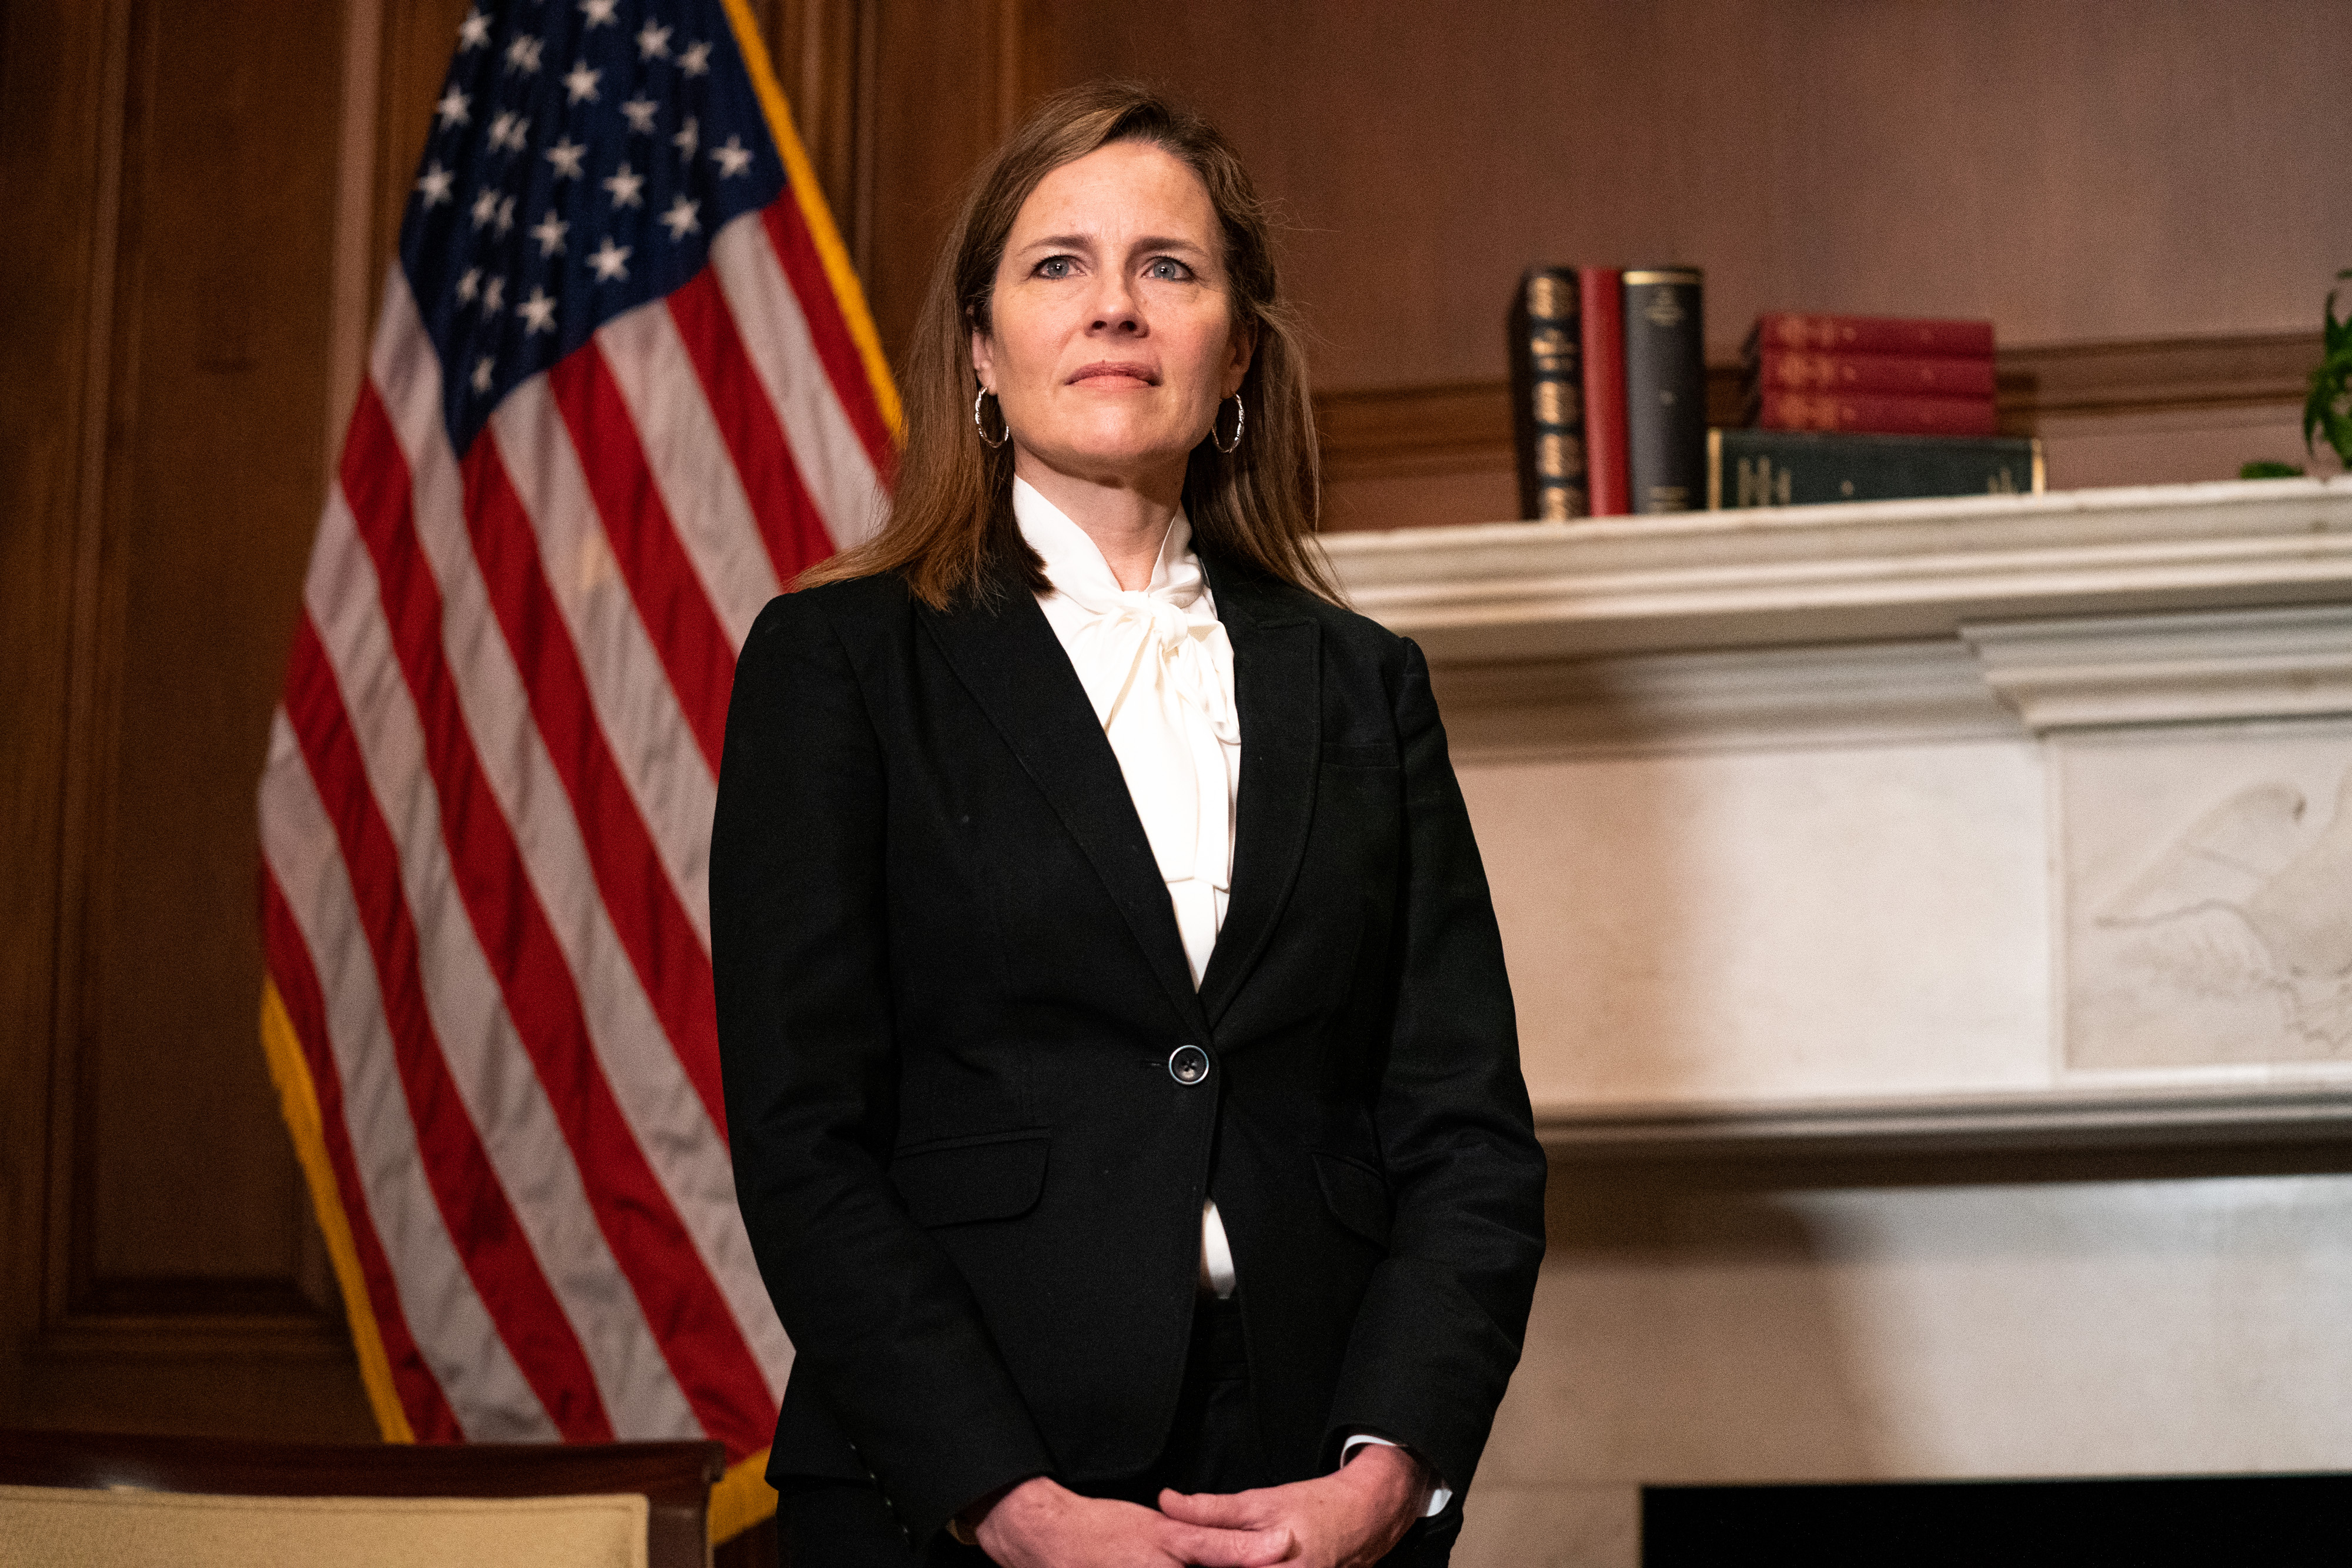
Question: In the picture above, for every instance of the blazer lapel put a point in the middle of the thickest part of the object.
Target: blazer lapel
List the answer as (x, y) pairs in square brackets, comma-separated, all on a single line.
[(1009, 659), (1278, 671)]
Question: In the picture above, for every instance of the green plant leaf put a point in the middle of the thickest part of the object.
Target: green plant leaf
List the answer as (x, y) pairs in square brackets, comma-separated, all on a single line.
[(2327, 411), (2263, 468)]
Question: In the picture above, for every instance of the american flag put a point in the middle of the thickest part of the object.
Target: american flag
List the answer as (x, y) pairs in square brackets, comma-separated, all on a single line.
[(623, 389)]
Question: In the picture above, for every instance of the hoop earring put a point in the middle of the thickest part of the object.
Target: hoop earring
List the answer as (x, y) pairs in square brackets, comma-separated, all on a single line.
[(976, 424), (1241, 419)]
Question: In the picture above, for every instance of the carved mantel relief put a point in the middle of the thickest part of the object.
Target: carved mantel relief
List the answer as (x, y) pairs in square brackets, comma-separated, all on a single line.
[(2208, 882)]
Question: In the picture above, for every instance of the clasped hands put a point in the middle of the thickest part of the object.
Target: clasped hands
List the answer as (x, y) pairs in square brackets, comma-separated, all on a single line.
[(1348, 1519)]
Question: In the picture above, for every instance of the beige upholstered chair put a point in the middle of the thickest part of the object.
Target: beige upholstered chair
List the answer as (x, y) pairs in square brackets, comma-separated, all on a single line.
[(92, 1500)]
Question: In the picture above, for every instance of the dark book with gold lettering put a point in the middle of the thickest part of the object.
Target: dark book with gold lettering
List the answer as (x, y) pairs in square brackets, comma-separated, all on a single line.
[(1803, 468), (1547, 394), (1665, 389)]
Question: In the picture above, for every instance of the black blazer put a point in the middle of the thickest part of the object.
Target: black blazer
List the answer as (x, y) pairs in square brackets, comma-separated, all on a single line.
[(949, 987)]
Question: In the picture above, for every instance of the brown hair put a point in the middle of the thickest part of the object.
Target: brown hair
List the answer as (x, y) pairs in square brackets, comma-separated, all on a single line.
[(950, 532)]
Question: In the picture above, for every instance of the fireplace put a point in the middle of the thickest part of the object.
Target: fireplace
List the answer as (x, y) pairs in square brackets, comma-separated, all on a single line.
[(2273, 1522)]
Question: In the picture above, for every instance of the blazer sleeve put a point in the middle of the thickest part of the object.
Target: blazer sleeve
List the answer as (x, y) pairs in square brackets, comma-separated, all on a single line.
[(1441, 1324), (880, 1320)]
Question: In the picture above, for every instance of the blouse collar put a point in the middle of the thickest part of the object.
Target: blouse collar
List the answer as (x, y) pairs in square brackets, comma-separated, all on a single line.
[(1075, 564)]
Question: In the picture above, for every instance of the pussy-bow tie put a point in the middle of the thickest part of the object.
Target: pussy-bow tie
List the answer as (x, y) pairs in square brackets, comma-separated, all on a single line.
[(1162, 643)]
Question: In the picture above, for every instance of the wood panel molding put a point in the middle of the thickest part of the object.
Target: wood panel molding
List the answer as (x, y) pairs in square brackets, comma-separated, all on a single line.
[(1463, 427), (62, 163), (178, 213), (2126, 378), (1455, 427)]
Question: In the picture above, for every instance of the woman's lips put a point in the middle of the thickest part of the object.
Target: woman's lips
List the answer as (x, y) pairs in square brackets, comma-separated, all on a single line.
[(1110, 373)]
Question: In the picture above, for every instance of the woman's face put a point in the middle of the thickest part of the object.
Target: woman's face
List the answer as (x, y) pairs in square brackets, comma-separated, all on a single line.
[(1113, 337)]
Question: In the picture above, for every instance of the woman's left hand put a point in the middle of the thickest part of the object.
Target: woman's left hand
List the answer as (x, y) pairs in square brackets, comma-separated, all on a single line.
[(1348, 1519)]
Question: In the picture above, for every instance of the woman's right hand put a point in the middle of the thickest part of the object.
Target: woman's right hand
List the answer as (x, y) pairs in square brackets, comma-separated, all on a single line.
[(1043, 1525)]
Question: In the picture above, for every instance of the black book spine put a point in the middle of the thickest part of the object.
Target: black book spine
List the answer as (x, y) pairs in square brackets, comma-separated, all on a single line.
[(1547, 394), (1665, 389)]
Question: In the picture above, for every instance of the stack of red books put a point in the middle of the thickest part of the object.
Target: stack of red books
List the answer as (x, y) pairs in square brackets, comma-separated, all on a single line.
[(1883, 374)]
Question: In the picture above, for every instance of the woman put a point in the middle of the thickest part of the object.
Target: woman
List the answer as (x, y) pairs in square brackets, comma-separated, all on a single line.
[(1119, 1063)]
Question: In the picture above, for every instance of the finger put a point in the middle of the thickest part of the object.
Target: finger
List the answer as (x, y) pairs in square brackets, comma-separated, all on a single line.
[(1222, 1511), (1228, 1548)]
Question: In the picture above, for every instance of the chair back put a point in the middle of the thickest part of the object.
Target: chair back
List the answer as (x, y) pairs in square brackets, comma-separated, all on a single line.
[(675, 1479)]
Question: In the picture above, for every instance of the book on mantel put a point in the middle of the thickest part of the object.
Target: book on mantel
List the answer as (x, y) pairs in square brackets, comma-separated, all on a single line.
[(1601, 291), (1882, 413), (1800, 468), (1547, 394), (1665, 389), (1609, 391), (1881, 375), (1916, 336), (1906, 375)]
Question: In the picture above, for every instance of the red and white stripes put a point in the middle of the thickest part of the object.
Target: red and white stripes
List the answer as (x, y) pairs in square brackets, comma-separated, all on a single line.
[(484, 821)]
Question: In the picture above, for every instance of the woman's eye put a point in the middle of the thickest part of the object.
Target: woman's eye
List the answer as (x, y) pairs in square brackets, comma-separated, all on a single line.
[(1054, 267), (1167, 269)]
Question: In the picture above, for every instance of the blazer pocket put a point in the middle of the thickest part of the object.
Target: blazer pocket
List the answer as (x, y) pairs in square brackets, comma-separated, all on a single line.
[(1356, 1193), (1379, 756), (998, 1176)]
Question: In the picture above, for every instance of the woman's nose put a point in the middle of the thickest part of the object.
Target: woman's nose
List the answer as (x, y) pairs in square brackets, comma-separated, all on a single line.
[(1115, 308)]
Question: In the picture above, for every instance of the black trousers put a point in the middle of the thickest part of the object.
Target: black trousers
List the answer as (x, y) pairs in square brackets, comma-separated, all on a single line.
[(1212, 1446)]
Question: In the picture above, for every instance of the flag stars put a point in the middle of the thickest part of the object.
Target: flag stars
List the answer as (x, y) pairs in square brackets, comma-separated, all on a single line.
[(508, 132), (494, 296), (483, 368), (538, 312), (639, 112), (732, 159), (611, 261), (681, 219), (469, 285), (549, 232), (566, 155), (434, 184), (689, 136), (696, 62), (474, 32), (580, 83), (653, 42), (598, 12), (455, 109), (626, 186), (506, 215), (486, 208), (522, 55)]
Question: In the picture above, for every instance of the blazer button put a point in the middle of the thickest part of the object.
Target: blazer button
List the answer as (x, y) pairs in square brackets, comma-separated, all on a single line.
[(1188, 1064)]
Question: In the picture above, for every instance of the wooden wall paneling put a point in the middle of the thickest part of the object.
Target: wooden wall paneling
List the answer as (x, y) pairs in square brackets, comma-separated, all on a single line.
[(353, 286), (179, 1282), (950, 79), (824, 52), (2074, 177), (61, 88), (418, 36)]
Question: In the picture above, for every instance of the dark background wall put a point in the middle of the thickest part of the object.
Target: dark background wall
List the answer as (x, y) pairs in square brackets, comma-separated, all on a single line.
[(2147, 199)]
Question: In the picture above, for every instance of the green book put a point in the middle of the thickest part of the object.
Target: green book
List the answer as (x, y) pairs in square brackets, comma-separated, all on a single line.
[(1803, 468)]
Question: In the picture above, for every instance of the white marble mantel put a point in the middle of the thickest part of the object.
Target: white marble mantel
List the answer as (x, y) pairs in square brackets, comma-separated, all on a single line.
[(1923, 823), (1879, 571)]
